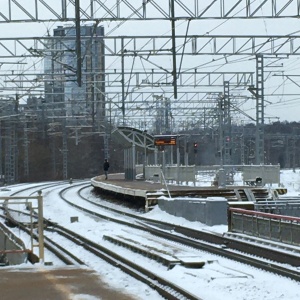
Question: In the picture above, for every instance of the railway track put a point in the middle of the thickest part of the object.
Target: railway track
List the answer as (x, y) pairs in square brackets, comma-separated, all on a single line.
[(165, 288), (199, 240), (233, 248), (65, 256)]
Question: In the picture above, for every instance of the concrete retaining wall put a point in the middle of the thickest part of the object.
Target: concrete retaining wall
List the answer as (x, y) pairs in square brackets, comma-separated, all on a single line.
[(210, 211)]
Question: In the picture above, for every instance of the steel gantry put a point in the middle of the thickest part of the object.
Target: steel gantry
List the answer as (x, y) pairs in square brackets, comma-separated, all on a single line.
[(64, 10), (149, 45)]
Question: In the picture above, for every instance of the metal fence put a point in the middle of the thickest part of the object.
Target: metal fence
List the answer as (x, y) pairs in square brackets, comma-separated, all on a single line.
[(278, 228), (287, 207)]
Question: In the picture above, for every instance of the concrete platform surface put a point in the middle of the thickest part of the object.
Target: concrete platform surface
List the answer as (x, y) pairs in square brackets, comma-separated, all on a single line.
[(119, 180), (51, 283)]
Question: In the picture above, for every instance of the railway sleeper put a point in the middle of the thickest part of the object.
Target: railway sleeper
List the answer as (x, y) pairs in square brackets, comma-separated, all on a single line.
[(163, 258)]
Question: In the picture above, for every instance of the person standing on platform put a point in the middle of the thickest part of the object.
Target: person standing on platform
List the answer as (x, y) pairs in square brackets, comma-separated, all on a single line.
[(105, 167)]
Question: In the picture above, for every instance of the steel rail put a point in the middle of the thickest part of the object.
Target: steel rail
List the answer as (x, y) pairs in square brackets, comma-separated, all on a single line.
[(219, 244), (152, 279)]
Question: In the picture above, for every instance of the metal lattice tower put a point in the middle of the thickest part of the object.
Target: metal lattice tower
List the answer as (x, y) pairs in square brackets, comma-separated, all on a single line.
[(1, 160), (106, 145), (259, 136), (26, 156), (227, 125), (294, 141), (242, 146), (10, 152), (53, 157), (65, 153)]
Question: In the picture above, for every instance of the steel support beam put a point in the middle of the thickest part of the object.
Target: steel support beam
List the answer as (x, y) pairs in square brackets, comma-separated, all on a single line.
[(63, 10), (148, 45)]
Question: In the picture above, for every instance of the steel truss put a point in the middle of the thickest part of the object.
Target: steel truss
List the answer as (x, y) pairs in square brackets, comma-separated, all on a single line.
[(154, 46), (64, 10), (149, 77)]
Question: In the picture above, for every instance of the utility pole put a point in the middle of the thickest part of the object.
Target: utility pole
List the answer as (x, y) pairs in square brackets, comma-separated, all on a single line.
[(123, 81), (258, 92), (259, 137), (1, 161), (174, 48), (242, 141), (26, 156), (65, 150), (53, 157), (227, 125), (294, 152), (222, 179), (78, 41)]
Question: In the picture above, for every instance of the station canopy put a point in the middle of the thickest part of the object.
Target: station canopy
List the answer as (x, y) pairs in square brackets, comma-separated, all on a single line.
[(128, 136)]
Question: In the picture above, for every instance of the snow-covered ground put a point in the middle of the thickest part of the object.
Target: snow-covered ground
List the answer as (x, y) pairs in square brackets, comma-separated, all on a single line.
[(291, 180), (220, 279)]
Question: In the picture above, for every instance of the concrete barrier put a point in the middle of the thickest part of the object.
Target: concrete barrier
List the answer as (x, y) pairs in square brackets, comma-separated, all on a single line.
[(267, 173), (209, 211), (171, 173)]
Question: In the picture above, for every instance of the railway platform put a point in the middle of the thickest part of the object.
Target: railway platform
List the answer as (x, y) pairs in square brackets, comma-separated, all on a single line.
[(53, 283), (150, 191), (118, 180)]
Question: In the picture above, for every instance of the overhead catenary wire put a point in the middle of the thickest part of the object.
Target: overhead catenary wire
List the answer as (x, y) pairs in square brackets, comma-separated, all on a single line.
[(207, 65)]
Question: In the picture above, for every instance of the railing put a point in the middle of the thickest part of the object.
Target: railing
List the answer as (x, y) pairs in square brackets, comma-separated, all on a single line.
[(39, 208), (288, 207), (265, 225)]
